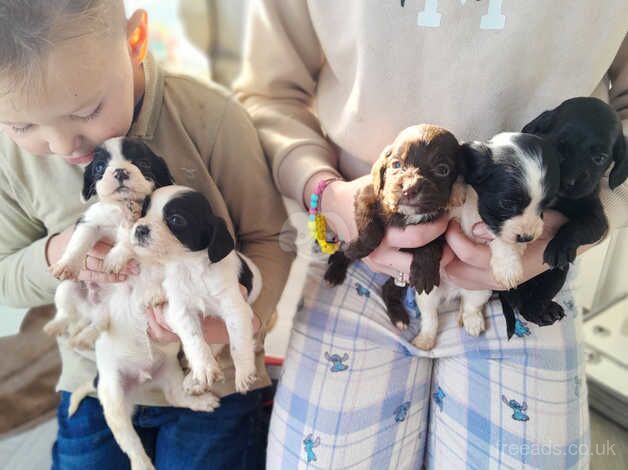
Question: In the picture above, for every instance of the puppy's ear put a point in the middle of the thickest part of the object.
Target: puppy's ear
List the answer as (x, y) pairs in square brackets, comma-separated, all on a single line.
[(379, 169), (89, 185), (161, 172), (540, 124), (477, 158), (220, 241), (620, 167)]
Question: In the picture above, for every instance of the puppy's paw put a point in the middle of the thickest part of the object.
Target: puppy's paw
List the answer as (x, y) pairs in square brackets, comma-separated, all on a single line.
[(401, 326), (65, 269), (549, 315), (57, 326), (473, 323), (245, 376), (115, 261), (425, 340), (154, 297), (141, 463), (507, 274), (334, 276), (559, 253), (85, 338), (199, 382), (424, 280), (205, 402)]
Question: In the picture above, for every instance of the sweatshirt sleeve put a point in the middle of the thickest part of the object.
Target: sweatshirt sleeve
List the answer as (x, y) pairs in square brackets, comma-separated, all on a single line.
[(282, 61), (616, 202), (243, 177), (24, 277)]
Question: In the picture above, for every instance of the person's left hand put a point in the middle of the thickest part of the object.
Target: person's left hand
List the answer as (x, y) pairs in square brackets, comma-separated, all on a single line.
[(214, 329), (468, 261)]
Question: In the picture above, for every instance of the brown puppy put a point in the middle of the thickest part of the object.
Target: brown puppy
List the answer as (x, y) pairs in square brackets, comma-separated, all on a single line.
[(415, 180)]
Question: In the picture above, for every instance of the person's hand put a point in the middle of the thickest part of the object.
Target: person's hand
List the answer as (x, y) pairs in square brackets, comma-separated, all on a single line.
[(92, 265), (214, 329), (337, 206), (469, 267)]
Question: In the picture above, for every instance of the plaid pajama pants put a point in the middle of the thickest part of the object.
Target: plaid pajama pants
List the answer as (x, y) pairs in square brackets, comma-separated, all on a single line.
[(355, 394)]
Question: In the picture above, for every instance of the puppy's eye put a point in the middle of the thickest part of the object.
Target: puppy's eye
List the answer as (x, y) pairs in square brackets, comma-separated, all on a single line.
[(442, 170), (600, 159), (506, 204), (99, 168), (143, 164), (177, 222), (396, 164)]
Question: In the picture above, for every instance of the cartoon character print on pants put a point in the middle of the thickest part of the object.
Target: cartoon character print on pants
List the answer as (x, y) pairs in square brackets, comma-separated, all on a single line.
[(362, 291), (518, 409), (401, 412), (337, 361), (439, 396), (309, 444), (521, 329)]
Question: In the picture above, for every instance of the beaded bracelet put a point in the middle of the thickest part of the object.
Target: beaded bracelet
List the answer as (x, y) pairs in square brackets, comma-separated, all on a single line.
[(316, 221)]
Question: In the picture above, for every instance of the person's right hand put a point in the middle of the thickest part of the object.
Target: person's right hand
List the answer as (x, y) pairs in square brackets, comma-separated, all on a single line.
[(92, 266), (337, 205)]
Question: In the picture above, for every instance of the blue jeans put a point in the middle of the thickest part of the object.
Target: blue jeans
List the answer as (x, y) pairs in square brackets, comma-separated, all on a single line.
[(231, 437)]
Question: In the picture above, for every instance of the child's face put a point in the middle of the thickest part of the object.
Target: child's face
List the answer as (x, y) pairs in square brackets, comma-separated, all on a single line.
[(88, 97)]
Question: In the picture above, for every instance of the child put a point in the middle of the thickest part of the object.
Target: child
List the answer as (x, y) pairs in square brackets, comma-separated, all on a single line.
[(72, 74)]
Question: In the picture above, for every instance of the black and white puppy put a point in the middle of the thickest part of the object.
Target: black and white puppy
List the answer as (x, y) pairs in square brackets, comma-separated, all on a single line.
[(587, 134), (202, 275), (122, 173), (510, 180)]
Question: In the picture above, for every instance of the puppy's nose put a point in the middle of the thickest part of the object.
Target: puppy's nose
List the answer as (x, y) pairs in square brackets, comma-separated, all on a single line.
[(412, 191), (142, 231), (525, 238), (570, 183), (121, 174)]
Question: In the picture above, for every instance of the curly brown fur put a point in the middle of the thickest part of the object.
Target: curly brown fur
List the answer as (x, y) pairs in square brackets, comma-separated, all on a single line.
[(415, 180)]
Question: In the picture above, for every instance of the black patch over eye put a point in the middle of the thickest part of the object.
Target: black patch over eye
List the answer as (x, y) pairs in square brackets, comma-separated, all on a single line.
[(177, 222), (442, 170)]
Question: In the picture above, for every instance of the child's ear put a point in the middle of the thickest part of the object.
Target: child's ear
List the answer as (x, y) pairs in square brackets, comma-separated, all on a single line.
[(89, 186), (137, 35), (220, 241)]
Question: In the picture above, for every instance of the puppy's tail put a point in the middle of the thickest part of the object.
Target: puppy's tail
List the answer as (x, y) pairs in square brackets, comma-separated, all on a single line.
[(81, 392)]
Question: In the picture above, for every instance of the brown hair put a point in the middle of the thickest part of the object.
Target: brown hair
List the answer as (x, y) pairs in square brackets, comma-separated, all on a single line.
[(29, 29)]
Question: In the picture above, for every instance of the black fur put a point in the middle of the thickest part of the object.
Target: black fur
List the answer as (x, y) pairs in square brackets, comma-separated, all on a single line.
[(494, 173), (588, 135), (246, 275), (190, 219)]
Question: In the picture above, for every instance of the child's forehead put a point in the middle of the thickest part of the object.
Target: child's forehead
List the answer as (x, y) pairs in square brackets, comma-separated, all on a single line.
[(70, 79)]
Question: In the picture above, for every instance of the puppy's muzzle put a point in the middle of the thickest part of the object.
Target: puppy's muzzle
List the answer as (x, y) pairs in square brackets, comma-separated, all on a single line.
[(121, 175), (524, 238), (142, 235)]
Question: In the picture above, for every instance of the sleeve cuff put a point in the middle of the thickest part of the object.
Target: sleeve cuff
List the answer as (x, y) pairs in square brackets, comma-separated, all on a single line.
[(299, 165), (35, 259)]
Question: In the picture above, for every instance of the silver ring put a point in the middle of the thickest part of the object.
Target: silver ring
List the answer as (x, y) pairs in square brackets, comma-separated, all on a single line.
[(401, 280)]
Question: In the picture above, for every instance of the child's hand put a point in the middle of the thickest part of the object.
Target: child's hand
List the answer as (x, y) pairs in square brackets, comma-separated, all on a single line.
[(92, 265), (214, 329), (470, 265)]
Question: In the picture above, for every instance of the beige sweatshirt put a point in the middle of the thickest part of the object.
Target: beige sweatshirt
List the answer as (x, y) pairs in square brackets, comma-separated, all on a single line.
[(208, 143), (330, 83)]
